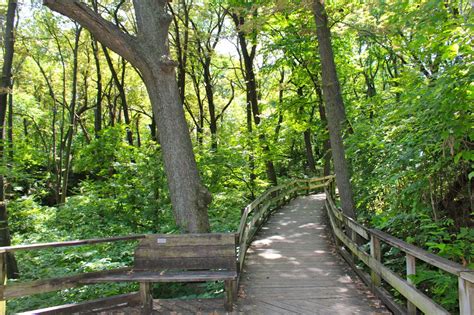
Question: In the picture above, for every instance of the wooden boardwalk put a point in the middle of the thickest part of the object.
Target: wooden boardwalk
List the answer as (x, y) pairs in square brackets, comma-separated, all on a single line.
[(292, 268)]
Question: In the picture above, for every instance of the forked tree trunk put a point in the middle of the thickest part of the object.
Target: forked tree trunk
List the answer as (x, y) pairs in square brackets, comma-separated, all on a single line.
[(149, 52), (334, 108)]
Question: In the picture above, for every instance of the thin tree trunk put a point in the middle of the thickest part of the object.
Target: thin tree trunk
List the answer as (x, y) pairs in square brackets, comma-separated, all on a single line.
[(324, 122), (309, 151), (210, 102), (5, 89), (182, 47), (123, 97), (252, 94), (253, 176), (98, 104), (334, 104), (72, 119), (137, 127), (10, 130)]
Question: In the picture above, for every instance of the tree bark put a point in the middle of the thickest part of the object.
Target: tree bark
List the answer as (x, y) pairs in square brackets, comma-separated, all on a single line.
[(149, 52), (334, 104), (5, 90)]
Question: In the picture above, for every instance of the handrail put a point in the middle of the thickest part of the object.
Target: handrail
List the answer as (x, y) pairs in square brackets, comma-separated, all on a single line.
[(342, 226), (9, 249), (59, 283)]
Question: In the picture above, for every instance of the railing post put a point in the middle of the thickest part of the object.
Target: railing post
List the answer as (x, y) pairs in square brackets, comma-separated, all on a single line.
[(466, 293), (332, 188), (376, 253), (411, 270), (3, 281)]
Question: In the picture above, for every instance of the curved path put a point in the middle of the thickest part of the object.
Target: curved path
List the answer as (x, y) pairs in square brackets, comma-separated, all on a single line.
[(292, 268)]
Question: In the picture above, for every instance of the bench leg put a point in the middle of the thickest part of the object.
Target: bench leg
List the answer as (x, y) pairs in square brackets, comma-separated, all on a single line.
[(146, 298), (235, 290), (229, 288)]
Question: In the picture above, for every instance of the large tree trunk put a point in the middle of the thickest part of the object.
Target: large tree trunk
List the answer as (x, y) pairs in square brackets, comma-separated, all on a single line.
[(5, 89), (149, 53), (334, 104)]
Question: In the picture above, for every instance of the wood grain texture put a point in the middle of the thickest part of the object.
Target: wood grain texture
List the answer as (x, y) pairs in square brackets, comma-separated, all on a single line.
[(149, 276)]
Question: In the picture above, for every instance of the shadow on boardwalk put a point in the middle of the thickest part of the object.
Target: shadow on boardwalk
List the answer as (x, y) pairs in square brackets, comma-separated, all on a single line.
[(292, 268)]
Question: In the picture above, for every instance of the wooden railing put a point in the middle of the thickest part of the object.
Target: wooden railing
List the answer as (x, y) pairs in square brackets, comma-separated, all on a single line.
[(22, 289), (258, 211), (347, 234)]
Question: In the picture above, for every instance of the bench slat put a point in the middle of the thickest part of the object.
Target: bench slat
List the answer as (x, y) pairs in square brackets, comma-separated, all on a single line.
[(208, 263), (147, 276), (171, 240), (158, 252)]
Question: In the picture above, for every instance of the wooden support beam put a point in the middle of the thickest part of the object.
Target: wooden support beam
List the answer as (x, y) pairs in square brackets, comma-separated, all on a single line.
[(3, 281), (466, 293), (229, 295), (146, 298), (376, 253), (411, 270)]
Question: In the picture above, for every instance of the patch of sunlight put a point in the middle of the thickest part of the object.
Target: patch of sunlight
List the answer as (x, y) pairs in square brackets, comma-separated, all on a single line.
[(340, 290), (270, 255), (344, 279)]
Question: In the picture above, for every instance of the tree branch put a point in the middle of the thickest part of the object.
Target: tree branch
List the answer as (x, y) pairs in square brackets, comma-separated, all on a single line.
[(104, 31)]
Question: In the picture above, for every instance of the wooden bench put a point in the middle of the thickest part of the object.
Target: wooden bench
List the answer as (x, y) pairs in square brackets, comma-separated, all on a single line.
[(181, 258)]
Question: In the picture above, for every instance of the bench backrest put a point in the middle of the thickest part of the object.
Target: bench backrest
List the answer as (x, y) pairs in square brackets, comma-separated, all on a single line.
[(186, 251)]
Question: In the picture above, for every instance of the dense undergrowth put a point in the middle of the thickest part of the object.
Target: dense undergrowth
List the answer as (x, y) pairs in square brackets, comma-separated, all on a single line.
[(128, 195)]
